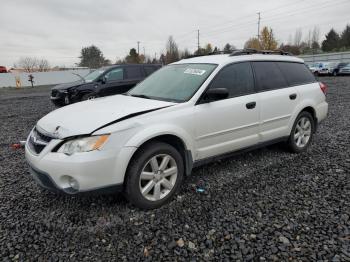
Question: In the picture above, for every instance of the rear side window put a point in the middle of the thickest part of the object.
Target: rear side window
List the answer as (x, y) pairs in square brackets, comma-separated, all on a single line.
[(296, 73), (149, 70), (237, 78), (268, 76), (133, 72)]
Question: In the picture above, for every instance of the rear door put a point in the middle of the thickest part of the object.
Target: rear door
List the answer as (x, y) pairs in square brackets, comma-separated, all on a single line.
[(233, 123), (134, 74), (277, 100)]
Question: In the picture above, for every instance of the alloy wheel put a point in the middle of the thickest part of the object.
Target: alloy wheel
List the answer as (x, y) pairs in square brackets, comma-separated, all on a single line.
[(302, 132), (158, 177)]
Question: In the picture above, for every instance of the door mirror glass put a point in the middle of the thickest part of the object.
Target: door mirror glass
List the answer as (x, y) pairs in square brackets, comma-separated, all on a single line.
[(215, 94)]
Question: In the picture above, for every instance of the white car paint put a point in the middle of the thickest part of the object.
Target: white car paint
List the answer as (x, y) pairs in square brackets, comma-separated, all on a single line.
[(206, 130)]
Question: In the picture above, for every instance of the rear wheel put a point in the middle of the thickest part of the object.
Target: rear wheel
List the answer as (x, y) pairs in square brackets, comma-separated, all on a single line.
[(335, 73), (154, 175), (302, 132)]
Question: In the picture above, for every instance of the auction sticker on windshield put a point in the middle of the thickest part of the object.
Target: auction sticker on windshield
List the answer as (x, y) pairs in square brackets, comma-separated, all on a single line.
[(194, 71)]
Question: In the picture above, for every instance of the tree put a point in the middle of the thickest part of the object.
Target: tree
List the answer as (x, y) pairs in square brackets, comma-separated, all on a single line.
[(297, 37), (228, 48), (29, 64), (172, 51), (133, 57), (92, 57), (252, 42), (293, 49), (43, 65), (331, 42), (345, 37), (267, 39)]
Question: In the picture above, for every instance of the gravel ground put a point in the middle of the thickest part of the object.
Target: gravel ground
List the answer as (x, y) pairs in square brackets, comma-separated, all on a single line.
[(264, 205)]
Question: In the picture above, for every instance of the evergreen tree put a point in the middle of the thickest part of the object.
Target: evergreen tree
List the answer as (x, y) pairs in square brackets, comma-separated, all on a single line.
[(92, 57), (332, 41), (345, 37)]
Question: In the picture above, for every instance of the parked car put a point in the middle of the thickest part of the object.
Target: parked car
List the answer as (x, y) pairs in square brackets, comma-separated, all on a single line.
[(334, 71), (3, 69), (105, 81), (320, 68), (184, 115), (345, 70)]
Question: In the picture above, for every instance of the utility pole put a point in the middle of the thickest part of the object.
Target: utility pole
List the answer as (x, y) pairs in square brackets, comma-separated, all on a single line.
[(198, 41), (259, 25), (138, 47)]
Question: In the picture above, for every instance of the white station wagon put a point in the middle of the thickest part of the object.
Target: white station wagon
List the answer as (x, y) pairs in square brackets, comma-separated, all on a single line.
[(144, 142)]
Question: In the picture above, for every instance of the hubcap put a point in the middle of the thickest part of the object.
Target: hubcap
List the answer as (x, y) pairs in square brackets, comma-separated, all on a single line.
[(91, 97), (158, 177), (302, 132)]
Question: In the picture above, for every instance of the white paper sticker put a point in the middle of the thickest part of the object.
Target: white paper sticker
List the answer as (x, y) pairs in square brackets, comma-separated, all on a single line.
[(194, 71)]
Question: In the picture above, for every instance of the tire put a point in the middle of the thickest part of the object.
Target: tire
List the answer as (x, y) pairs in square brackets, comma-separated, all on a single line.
[(335, 73), (88, 96), (316, 73), (302, 133), (148, 161)]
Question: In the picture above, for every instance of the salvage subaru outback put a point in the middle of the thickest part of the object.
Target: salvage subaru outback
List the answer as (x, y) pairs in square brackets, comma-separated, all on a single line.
[(145, 141)]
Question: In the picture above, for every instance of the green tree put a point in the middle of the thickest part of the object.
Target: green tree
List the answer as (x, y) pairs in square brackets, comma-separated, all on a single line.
[(92, 57), (345, 37), (332, 41), (133, 57)]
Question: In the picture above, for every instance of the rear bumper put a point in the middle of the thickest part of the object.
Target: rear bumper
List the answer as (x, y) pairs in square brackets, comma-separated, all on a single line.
[(321, 111)]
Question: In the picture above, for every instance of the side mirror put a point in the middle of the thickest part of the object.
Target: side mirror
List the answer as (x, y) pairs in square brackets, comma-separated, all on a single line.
[(215, 94)]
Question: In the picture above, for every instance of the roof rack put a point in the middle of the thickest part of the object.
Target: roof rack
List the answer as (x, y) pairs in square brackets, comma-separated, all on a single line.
[(249, 51)]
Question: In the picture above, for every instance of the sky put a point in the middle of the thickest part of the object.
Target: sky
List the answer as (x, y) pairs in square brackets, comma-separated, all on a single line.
[(57, 29)]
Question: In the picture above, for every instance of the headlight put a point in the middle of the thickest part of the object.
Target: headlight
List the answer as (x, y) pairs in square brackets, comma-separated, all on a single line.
[(83, 144)]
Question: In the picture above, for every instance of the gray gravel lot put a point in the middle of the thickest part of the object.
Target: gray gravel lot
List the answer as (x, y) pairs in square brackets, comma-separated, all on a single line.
[(264, 205)]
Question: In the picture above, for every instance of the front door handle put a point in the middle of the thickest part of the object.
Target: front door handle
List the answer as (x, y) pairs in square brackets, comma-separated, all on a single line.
[(250, 105), (292, 96)]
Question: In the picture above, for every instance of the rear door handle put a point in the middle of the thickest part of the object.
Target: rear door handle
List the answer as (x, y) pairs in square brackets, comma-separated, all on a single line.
[(250, 105), (292, 96)]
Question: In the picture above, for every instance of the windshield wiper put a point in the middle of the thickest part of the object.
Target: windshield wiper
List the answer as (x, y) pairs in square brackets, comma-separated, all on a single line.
[(141, 96)]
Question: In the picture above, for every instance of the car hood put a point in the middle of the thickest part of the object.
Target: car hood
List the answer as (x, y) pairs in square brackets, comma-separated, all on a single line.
[(67, 85), (86, 117)]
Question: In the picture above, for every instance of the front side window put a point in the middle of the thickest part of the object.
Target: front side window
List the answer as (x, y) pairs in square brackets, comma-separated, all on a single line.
[(236, 78), (174, 82), (115, 74), (296, 73), (268, 76)]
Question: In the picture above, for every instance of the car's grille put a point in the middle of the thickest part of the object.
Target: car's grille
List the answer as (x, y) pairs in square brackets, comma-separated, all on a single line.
[(38, 141)]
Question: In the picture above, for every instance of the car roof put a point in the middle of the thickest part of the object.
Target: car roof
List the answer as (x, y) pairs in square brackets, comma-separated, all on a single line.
[(227, 59)]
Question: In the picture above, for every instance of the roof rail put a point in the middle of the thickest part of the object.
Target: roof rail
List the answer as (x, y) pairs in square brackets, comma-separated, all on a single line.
[(249, 51), (212, 53)]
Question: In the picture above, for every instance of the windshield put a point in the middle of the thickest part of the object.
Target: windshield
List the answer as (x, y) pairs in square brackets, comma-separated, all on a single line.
[(94, 75), (176, 83)]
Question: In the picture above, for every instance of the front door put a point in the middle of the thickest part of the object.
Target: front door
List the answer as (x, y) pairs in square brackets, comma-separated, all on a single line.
[(233, 123)]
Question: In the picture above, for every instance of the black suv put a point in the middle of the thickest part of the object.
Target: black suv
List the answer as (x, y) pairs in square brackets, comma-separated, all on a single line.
[(105, 81)]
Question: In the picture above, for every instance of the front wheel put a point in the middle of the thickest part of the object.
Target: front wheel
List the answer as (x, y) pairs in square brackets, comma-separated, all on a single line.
[(89, 96), (302, 132), (154, 175)]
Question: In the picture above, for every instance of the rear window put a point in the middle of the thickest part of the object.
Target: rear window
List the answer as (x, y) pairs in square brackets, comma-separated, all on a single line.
[(268, 76), (296, 73)]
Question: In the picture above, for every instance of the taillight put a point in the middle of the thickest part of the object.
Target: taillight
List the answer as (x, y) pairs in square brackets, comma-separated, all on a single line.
[(323, 87)]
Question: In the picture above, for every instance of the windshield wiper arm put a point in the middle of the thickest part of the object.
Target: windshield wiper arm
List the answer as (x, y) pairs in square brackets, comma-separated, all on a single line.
[(141, 96)]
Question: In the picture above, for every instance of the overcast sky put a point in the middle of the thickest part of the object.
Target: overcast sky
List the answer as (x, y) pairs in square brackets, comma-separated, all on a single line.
[(58, 29)]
